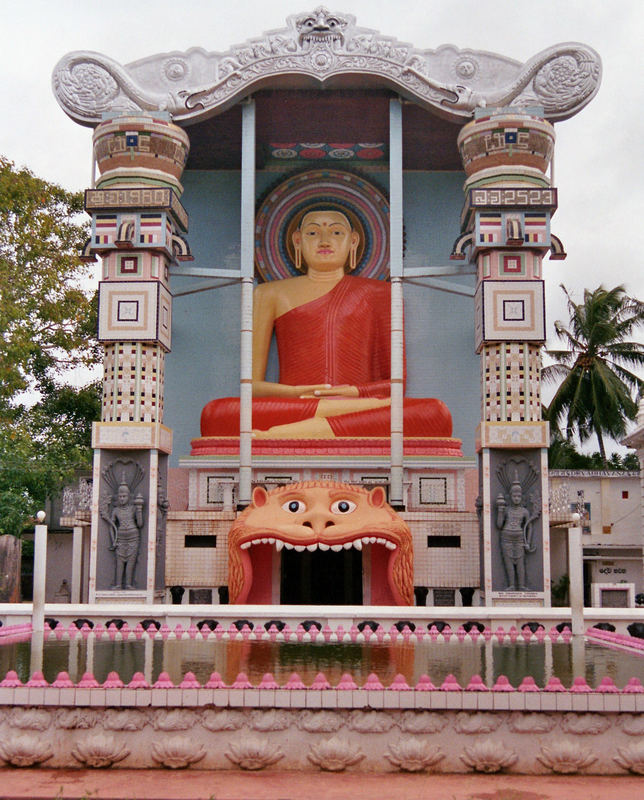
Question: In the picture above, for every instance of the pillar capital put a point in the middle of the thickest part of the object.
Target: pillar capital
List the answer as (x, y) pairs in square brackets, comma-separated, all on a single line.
[(141, 149), (508, 146)]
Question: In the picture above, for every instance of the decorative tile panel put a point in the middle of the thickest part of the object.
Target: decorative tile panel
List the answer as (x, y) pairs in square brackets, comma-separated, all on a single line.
[(510, 311), (133, 383), (511, 381), (135, 310)]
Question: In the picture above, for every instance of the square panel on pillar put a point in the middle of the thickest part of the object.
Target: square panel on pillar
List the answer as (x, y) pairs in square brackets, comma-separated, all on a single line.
[(509, 311), (133, 265), (134, 311)]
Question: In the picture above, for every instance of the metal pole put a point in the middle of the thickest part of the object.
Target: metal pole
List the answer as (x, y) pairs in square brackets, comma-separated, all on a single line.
[(396, 273), (247, 270)]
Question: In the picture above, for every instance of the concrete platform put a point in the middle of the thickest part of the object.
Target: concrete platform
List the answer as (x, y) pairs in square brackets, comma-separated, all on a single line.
[(123, 784)]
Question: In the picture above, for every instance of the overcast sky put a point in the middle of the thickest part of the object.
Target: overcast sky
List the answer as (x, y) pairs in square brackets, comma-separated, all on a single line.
[(599, 152)]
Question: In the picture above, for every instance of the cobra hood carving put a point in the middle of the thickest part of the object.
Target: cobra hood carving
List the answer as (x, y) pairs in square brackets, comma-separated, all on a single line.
[(316, 48)]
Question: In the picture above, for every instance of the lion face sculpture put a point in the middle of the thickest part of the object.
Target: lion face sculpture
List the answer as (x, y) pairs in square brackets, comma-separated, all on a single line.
[(322, 515)]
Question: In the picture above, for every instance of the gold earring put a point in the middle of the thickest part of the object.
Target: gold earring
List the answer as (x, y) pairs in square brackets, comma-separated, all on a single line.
[(353, 258), (298, 258)]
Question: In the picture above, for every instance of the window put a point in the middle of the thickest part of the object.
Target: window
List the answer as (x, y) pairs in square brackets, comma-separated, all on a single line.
[(443, 541), (199, 540)]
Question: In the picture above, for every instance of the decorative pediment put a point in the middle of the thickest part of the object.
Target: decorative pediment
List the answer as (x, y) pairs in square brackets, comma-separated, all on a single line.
[(321, 48)]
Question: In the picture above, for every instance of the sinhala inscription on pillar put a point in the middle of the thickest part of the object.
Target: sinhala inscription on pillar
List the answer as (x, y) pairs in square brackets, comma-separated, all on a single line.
[(321, 45)]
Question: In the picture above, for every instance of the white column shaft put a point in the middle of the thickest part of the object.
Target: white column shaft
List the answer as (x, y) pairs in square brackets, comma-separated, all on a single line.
[(152, 519), (77, 563), (40, 577), (396, 272), (576, 575), (247, 271)]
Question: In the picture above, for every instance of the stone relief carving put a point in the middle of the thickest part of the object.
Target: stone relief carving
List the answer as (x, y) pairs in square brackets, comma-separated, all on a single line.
[(29, 719), (319, 721), (422, 722), (100, 750), (163, 504), (253, 753), (222, 720), (177, 752), (476, 722), (488, 755), (517, 508), (25, 750), (75, 718), (271, 720), (566, 757), (413, 755), (124, 515), (176, 719), (584, 723), (370, 721), (126, 720), (320, 44), (631, 724), (532, 722), (631, 758), (335, 754)]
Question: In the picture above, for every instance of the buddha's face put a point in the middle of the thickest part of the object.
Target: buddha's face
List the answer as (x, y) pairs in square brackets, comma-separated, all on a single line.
[(326, 239)]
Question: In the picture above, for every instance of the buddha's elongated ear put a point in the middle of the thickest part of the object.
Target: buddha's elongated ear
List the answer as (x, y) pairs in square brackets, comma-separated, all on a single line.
[(353, 252), (297, 245)]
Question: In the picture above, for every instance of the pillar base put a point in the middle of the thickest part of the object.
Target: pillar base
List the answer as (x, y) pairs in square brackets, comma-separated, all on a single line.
[(131, 436)]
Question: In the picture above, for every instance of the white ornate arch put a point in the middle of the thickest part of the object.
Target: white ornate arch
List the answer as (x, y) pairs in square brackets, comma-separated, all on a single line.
[(323, 48)]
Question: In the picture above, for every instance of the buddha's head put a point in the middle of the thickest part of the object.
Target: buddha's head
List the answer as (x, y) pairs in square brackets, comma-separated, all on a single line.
[(325, 241)]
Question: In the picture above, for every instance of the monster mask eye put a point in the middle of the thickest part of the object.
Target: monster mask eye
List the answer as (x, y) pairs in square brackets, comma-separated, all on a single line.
[(343, 507), (294, 507)]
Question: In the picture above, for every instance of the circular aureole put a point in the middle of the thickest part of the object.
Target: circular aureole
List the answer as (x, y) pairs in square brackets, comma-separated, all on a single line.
[(280, 213)]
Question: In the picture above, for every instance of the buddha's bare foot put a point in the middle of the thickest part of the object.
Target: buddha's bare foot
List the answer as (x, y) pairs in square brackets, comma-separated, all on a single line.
[(313, 428)]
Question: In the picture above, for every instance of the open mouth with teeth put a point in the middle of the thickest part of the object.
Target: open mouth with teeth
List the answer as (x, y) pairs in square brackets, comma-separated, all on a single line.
[(316, 537)]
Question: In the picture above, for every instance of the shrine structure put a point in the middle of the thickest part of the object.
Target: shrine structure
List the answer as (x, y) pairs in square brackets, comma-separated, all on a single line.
[(435, 163)]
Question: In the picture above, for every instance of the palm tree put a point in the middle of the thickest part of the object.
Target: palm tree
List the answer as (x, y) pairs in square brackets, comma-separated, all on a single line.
[(596, 392)]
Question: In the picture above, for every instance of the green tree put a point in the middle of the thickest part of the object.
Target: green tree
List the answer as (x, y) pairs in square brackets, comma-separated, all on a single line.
[(47, 322), (595, 367), (563, 454), (42, 449), (45, 314)]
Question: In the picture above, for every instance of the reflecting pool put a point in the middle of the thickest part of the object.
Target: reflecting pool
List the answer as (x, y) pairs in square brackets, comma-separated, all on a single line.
[(541, 660)]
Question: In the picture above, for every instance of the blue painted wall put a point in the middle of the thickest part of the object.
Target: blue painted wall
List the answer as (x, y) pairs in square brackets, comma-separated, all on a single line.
[(204, 361)]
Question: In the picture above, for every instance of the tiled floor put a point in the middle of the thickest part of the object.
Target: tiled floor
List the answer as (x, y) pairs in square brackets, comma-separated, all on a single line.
[(202, 785)]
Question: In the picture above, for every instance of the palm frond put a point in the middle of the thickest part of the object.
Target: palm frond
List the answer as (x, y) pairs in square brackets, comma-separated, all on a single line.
[(596, 366)]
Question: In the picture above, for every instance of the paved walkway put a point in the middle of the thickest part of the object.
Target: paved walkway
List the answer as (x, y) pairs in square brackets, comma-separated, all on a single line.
[(124, 784)]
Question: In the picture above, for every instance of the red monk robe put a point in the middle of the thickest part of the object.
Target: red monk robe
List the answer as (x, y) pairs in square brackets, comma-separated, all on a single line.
[(341, 338)]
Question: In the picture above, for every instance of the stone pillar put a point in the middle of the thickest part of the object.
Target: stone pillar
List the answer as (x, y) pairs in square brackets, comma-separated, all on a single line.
[(576, 575), (77, 563), (138, 224), (40, 574), (506, 221)]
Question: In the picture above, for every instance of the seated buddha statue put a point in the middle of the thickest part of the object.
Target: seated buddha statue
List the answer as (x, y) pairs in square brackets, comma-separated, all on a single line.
[(333, 340)]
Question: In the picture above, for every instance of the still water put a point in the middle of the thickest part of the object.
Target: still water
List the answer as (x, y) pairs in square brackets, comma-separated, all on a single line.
[(436, 659)]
